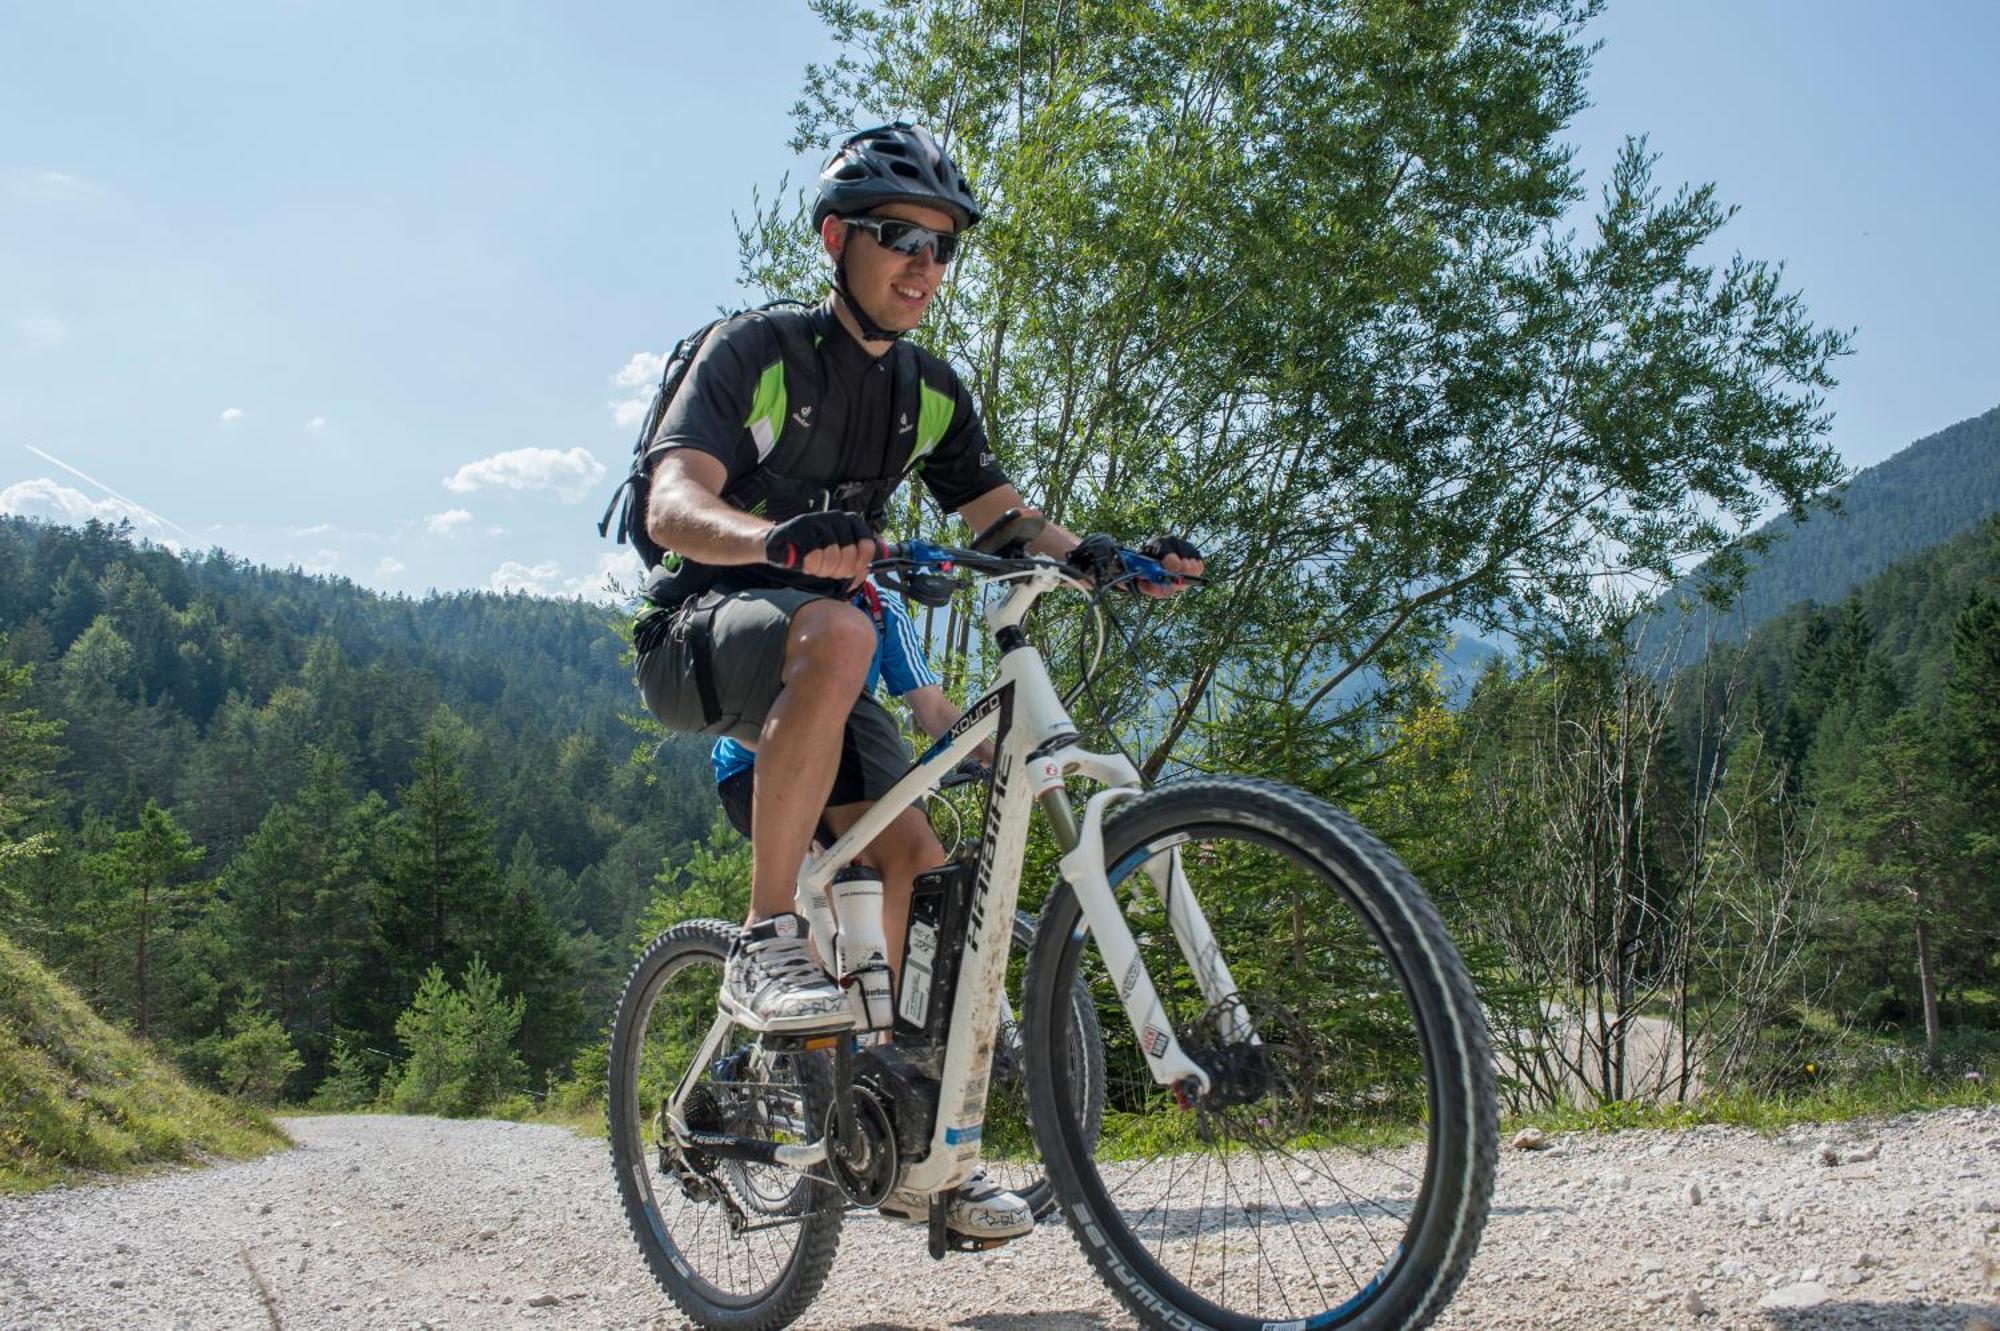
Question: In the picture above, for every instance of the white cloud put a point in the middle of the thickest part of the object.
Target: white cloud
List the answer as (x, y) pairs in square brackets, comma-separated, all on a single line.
[(46, 329), (50, 186), (389, 567), (543, 579), (642, 371), (317, 529), (55, 502), (316, 423), (322, 561), (546, 578), (448, 523), (231, 414), (641, 375), (570, 474), (496, 530)]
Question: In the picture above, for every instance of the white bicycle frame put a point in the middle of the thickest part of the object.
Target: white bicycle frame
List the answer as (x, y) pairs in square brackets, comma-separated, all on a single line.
[(1035, 749)]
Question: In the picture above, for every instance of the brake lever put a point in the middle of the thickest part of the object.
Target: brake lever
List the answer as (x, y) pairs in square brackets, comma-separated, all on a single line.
[(1148, 569)]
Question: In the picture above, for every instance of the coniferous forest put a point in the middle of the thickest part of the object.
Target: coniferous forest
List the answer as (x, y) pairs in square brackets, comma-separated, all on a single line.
[(247, 802), (321, 845)]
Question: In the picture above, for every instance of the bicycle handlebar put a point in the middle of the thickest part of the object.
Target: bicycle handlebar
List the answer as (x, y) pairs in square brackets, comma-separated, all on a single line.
[(945, 558)]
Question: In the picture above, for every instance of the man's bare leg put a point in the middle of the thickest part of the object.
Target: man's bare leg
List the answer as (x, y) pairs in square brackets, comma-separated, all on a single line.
[(772, 982), (826, 663), (905, 848)]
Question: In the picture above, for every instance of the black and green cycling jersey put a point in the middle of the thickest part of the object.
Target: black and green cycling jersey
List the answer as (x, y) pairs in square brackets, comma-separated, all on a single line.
[(840, 430)]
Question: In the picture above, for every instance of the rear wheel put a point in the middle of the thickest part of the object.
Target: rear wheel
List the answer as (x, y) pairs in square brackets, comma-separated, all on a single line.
[(1338, 1172), (737, 1246)]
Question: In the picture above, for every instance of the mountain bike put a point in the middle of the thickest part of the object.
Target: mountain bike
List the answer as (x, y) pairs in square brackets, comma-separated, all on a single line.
[(1256, 1075)]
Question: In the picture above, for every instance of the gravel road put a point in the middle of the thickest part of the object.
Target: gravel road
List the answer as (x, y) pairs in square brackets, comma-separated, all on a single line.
[(409, 1222)]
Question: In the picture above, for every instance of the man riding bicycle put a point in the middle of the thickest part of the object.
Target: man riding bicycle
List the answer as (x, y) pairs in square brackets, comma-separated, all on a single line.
[(760, 642)]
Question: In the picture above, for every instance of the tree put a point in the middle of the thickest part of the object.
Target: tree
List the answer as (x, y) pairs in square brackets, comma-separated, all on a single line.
[(29, 752), (460, 1044), (441, 887), (296, 918), (1897, 837), (257, 1056), (144, 874), (712, 882), (1972, 709), (1413, 400)]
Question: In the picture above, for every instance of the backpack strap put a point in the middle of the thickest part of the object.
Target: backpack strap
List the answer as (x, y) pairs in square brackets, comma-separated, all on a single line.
[(781, 414)]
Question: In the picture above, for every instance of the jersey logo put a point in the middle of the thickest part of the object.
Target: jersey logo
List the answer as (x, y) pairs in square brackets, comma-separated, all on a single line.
[(905, 427), (801, 414)]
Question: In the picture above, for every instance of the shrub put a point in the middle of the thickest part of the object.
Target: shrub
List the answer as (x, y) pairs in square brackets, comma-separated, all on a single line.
[(349, 1082), (460, 1044), (257, 1056), (582, 1092)]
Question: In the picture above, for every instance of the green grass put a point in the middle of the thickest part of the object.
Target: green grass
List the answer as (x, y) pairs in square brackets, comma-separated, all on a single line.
[(79, 1098), (1882, 1095)]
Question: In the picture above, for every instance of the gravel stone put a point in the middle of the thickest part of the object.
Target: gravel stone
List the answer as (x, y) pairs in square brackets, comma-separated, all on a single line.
[(394, 1214)]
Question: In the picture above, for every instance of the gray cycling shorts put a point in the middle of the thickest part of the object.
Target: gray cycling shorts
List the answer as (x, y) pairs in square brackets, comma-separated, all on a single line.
[(719, 667)]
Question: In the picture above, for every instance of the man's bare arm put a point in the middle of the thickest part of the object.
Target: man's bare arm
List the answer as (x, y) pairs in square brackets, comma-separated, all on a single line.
[(984, 511), (934, 712), (685, 513), (1055, 541)]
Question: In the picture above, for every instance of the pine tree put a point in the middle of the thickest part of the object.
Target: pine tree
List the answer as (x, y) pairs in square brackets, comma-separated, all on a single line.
[(297, 914), (144, 873), (257, 1056), (1895, 833), (29, 752), (440, 893), (1972, 707)]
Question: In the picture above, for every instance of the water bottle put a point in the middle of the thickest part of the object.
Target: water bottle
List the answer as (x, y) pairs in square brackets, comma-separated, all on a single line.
[(860, 948)]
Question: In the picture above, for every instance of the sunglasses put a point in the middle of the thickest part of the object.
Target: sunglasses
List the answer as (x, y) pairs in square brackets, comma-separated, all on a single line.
[(902, 237)]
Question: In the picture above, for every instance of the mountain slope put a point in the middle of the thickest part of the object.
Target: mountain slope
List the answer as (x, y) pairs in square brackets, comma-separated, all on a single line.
[(1931, 491), (78, 1096)]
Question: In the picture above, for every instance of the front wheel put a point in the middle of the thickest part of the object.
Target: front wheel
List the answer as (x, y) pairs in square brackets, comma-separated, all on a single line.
[(1339, 1172)]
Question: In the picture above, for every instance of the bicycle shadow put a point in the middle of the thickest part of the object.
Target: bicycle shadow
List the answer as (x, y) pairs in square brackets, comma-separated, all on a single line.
[(1907, 1315)]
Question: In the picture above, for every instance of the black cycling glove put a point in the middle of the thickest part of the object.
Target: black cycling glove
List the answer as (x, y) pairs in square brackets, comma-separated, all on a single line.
[(789, 542), (1159, 547), (1098, 558)]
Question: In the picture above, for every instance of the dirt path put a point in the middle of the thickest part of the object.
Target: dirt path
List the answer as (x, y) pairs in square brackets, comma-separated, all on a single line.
[(406, 1223)]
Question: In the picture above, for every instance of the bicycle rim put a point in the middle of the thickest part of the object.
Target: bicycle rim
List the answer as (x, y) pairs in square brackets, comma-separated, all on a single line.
[(786, 1229), (1338, 1189)]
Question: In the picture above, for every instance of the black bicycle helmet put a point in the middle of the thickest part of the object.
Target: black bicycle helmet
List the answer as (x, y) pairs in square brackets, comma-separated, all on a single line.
[(896, 163)]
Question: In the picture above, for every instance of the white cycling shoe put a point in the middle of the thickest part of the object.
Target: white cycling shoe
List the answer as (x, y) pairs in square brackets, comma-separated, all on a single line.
[(978, 1209), (772, 984)]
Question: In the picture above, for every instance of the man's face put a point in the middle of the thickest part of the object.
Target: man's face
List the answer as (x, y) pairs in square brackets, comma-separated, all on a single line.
[(894, 288)]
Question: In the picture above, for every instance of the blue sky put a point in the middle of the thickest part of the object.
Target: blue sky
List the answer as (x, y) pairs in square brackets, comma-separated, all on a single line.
[(350, 286)]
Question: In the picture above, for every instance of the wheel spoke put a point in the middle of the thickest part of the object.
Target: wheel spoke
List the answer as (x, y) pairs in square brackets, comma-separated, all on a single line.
[(788, 1225), (1320, 1153)]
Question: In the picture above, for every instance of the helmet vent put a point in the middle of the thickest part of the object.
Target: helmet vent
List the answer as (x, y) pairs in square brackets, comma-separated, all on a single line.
[(905, 170)]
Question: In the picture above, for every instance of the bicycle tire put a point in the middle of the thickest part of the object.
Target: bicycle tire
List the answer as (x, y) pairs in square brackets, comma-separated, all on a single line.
[(1368, 899), (816, 1219)]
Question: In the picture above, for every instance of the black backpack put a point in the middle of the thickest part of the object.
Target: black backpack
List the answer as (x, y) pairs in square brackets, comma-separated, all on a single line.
[(770, 487)]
